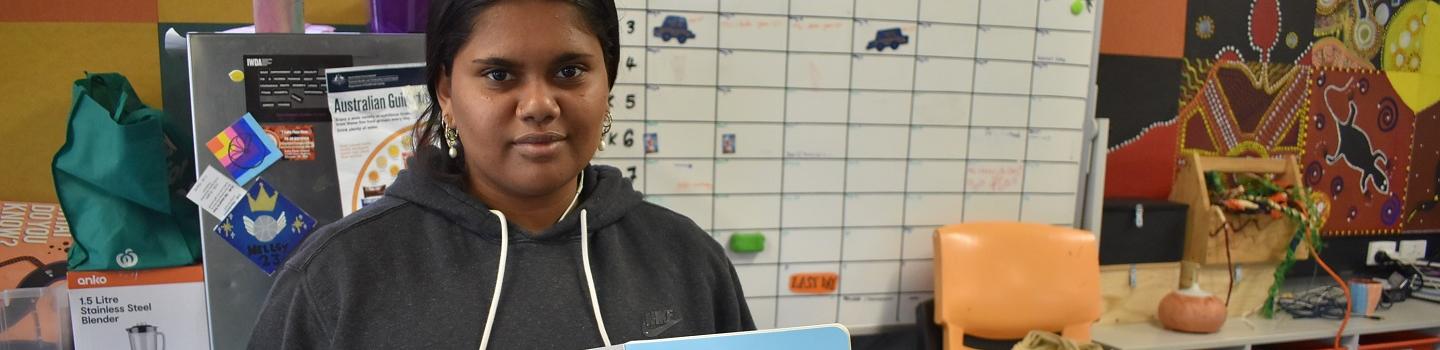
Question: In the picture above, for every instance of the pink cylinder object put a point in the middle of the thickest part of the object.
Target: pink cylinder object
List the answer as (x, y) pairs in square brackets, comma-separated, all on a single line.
[(279, 16)]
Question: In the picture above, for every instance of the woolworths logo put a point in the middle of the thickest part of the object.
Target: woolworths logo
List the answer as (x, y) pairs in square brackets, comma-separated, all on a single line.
[(127, 259)]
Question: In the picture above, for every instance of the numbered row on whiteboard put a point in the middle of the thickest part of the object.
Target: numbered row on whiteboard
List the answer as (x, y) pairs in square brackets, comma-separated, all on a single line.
[(1024, 13), (852, 309), (760, 212), (661, 140), (834, 176), (706, 67), (777, 105), (843, 35)]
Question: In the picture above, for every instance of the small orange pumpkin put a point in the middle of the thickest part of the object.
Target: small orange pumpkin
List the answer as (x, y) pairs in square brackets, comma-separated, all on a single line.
[(1192, 310)]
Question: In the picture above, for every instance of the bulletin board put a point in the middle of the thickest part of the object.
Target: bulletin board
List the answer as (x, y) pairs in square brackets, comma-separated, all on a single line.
[(846, 131)]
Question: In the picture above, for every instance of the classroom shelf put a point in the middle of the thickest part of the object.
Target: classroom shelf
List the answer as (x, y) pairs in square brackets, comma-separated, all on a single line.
[(1416, 315)]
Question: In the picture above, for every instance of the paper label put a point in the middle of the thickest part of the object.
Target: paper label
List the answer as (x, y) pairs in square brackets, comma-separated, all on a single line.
[(296, 141), (215, 193)]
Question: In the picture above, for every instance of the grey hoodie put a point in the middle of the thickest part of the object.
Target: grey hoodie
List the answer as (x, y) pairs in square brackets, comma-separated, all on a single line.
[(417, 269)]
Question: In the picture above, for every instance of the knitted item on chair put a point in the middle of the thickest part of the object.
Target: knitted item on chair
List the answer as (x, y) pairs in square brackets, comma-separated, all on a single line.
[(1042, 340)]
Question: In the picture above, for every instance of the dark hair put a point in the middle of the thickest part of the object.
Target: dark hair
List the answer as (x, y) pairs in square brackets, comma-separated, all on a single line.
[(450, 25)]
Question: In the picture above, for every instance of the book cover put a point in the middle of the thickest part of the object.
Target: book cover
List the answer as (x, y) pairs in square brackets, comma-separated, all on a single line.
[(34, 244)]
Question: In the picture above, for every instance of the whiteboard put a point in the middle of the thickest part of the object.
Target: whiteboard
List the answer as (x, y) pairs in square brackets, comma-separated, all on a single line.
[(845, 143)]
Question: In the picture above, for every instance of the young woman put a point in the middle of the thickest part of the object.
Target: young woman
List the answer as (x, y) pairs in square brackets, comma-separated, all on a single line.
[(501, 235)]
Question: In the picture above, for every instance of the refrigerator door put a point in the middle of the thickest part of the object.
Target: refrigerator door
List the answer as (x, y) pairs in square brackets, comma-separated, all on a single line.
[(224, 73)]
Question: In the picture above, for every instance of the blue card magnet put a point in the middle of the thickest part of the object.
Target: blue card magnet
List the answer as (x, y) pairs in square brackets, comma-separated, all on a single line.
[(265, 226)]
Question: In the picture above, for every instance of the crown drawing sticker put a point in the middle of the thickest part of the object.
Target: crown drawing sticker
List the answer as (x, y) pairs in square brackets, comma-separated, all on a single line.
[(265, 227)]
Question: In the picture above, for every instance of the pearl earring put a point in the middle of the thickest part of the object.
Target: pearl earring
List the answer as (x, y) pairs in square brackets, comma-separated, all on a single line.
[(605, 130), (452, 139)]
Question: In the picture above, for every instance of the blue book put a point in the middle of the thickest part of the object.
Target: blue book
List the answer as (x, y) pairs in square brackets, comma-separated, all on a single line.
[(819, 337)]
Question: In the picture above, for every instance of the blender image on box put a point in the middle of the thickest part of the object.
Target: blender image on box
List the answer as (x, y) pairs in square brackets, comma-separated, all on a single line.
[(146, 337)]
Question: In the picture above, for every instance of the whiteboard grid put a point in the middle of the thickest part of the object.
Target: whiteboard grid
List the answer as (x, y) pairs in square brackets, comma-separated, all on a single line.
[(843, 168)]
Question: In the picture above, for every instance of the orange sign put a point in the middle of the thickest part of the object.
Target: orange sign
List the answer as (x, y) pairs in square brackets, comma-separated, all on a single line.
[(814, 282), (118, 278)]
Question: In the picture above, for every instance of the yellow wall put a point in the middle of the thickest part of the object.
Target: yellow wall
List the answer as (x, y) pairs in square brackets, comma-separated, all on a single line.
[(48, 44), (40, 62), (231, 11)]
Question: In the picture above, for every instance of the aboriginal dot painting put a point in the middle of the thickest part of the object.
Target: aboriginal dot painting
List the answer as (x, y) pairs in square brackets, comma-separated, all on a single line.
[(1258, 78)]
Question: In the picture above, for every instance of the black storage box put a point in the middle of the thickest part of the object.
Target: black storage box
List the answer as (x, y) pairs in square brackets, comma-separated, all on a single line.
[(1134, 231)]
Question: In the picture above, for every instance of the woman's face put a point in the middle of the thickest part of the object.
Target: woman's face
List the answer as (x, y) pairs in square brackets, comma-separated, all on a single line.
[(527, 95)]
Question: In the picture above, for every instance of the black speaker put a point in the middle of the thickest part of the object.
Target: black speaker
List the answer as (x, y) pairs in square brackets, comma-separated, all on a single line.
[(1134, 231)]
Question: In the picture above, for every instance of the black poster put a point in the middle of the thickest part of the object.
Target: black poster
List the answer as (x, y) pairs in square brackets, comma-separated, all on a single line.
[(1136, 92), (289, 88)]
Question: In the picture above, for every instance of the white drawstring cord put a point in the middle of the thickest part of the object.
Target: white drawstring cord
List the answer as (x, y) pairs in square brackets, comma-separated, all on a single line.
[(499, 279), (575, 199), (589, 278)]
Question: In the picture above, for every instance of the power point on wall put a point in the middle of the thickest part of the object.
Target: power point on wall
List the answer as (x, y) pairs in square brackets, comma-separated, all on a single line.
[(1379, 246), (1412, 249)]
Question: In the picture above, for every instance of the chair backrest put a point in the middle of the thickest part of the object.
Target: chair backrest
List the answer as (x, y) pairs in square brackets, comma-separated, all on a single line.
[(1000, 280)]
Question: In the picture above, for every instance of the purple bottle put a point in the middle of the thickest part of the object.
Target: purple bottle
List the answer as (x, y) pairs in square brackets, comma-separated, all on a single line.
[(398, 16)]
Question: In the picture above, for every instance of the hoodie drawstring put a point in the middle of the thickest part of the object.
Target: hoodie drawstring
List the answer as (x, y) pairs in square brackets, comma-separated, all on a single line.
[(500, 277), (589, 278)]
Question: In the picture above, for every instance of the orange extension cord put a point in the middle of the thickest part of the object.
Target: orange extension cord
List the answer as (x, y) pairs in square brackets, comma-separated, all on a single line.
[(1343, 287)]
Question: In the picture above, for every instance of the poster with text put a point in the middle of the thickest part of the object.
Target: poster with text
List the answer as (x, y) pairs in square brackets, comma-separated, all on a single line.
[(374, 109)]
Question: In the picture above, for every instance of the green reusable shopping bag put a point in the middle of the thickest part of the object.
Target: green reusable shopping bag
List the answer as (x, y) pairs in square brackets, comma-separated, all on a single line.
[(122, 180)]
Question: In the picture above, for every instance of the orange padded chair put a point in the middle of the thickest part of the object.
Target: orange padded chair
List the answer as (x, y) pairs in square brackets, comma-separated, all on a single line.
[(1000, 280)]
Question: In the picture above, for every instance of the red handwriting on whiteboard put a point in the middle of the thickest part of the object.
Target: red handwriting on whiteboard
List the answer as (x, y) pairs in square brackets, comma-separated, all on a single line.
[(817, 26), (749, 23), (1002, 177), (694, 185)]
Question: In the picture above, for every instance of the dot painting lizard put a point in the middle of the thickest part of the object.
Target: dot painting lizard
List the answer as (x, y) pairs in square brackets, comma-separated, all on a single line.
[(1354, 147)]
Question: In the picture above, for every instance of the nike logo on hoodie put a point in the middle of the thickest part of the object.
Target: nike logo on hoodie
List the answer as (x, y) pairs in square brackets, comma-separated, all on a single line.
[(658, 321)]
